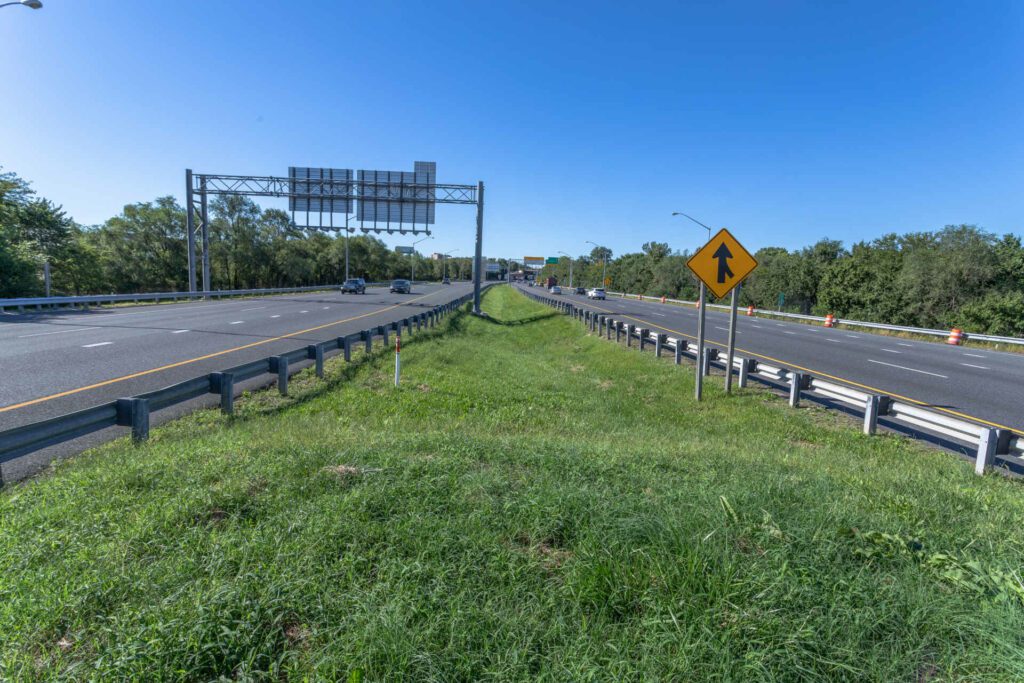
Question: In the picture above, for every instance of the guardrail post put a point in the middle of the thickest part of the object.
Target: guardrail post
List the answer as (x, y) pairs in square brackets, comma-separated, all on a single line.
[(618, 331), (659, 341), (796, 381), (705, 363), (644, 332), (383, 331), (223, 383), (134, 412), (600, 326), (279, 364), (744, 372), (367, 337), (986, 450), (408, 326), (316, 352), (679, 351), (871, 406), (629, 334)]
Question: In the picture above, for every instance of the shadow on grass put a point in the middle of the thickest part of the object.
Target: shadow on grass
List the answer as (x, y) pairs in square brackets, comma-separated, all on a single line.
[(521, 321)]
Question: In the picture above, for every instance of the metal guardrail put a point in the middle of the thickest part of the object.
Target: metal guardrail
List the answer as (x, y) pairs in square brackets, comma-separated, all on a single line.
[(976, 336), (98, 299), (135, 411), (987, 443)]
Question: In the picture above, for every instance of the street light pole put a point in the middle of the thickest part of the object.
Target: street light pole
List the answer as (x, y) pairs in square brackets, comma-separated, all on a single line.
[(570, 268), (346, 245), (701, 321), (413, 257), (31, 4), (604, 261), (446, 255)]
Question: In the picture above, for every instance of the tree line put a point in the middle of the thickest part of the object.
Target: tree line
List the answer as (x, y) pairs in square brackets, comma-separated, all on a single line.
[(144, 249), (958, 276)]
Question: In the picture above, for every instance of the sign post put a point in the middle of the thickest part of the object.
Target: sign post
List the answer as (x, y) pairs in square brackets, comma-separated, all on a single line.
[(720, 265), (398, 357), (698, 386), (732, 339)]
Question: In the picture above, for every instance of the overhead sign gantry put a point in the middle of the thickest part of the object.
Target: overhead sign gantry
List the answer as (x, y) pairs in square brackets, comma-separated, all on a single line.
[(390, 201)]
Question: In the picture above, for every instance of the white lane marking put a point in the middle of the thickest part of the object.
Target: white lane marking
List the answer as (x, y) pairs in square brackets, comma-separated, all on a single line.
[(303, 311), (970, 365), (899, 344), (753, 325), (275, 316), (784, 332), (778, 325), (663, 315), (903, 367), (326, 307), (43, 334), (891, 351), (834, 341), (179, 331), (259, 308), (237, 322), (974, 355), (853, 336), (90, 346)]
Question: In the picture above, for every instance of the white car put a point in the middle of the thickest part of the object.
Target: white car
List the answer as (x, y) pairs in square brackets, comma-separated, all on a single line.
[(596, 293), (555, 290)]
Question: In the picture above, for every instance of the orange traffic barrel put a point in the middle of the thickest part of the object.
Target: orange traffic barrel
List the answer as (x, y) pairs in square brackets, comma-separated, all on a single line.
[(750, 310), (956, 337), (830, 320)]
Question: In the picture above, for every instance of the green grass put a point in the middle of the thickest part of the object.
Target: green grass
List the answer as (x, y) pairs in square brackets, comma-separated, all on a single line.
[(531, 504)]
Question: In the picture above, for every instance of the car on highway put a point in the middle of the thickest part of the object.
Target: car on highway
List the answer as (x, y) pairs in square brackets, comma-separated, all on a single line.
[(446, 281), (596, 293), (401, 287), (355, 285), (581, 291), (555, 289)]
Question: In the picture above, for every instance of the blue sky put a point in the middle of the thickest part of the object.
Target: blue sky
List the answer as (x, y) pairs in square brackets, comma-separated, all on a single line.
[(785, 121)]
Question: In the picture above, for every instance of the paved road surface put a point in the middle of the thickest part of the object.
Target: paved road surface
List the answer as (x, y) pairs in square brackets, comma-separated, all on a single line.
[(59, 362), (987, 386)]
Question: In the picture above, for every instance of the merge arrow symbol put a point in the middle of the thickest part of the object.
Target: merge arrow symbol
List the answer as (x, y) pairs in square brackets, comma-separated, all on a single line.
[(723, 255)]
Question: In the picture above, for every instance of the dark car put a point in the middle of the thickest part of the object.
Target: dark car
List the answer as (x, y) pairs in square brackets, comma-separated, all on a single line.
[(446, 281), (355, 285), (581, 290), (401, 287)]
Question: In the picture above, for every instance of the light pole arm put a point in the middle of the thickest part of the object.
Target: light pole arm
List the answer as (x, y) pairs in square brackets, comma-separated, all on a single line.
[(706, 227)]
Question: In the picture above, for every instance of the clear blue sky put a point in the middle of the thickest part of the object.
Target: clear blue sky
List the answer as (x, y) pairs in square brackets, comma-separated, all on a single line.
[(785, 121)]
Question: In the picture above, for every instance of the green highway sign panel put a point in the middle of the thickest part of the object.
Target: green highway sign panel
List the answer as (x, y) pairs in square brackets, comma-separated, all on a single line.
[(551, 260)]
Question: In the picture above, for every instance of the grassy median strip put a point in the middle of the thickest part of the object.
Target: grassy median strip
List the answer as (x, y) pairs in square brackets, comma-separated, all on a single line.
[(531, 504)]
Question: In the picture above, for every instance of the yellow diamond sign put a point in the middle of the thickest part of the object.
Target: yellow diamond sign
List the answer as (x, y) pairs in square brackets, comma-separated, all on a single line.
[(722, 263)]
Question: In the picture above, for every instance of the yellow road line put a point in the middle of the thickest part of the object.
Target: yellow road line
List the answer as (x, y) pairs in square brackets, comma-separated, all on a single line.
[(825, 374), (143, 373)]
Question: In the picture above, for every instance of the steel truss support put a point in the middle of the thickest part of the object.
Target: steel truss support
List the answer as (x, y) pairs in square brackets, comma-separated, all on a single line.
[(198, 187)]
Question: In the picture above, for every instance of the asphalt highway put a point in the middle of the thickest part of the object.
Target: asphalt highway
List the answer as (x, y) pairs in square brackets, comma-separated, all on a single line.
[(979, 384), (56, 363)]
